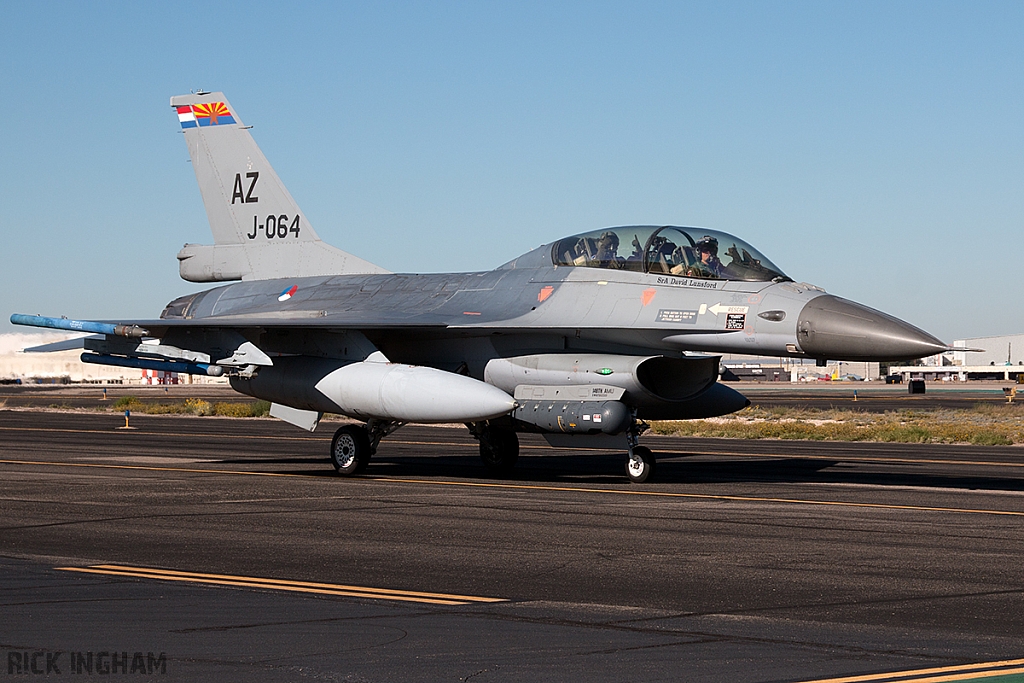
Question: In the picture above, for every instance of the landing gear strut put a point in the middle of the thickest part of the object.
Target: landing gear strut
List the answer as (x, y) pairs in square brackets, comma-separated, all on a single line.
[(499, 447), (640, 462), (354, 445)]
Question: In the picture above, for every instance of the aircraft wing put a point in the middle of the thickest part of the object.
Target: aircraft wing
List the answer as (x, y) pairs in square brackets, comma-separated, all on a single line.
[(355, 321)]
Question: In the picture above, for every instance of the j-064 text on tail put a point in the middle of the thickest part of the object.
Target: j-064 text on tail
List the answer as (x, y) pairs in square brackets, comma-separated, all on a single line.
[(274, 226)]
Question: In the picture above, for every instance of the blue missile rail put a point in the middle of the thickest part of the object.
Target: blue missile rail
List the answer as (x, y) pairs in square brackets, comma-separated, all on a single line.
[(131, 331), (182, 367)]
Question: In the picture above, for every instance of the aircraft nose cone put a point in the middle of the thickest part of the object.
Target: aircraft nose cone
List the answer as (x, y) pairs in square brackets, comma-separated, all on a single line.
[(838, 329)]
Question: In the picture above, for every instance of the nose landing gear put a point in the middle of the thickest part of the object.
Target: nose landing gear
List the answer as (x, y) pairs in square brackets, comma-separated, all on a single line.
[(640, 464), (640, 461)]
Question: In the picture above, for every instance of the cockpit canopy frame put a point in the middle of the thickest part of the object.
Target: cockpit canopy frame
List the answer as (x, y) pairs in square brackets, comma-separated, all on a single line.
[(667, 250)]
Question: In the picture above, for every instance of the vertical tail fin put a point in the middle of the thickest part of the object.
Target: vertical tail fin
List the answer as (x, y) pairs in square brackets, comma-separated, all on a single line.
[(258, 230)]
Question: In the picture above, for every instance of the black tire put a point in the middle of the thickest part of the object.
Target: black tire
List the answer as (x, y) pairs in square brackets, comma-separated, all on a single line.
[(350, 450), (499, 449), (640, 466)]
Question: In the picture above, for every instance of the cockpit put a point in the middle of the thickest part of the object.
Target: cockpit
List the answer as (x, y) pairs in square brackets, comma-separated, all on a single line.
[(669, 250)]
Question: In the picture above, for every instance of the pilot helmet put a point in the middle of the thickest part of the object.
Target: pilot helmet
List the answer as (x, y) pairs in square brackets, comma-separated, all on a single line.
[(707, 243), (609, 237)]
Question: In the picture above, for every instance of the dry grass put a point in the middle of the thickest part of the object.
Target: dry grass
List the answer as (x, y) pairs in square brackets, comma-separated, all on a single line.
[(248, 409), (193, 406), (987, 424)]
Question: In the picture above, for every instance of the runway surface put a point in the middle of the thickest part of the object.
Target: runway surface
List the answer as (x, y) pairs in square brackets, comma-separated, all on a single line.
[(231, 547)]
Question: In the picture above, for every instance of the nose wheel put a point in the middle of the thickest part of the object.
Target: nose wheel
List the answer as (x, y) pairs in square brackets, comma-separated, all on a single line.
[(640, 461), (640, 464)]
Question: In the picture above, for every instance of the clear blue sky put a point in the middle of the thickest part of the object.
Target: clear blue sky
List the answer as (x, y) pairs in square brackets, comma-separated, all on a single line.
[(874, 149)]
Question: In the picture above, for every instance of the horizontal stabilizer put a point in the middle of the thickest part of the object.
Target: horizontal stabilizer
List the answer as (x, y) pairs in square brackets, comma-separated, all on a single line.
[(66, 345)]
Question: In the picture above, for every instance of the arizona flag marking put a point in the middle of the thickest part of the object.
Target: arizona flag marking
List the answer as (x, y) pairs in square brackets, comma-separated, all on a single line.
[(211, 114)]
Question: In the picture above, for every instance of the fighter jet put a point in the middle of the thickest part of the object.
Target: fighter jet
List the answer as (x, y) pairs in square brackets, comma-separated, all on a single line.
[(581, 340)]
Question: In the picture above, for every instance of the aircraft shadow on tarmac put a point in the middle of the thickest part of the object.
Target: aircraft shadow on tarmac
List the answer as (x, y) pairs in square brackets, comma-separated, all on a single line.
[(673, 468), (800, 470)]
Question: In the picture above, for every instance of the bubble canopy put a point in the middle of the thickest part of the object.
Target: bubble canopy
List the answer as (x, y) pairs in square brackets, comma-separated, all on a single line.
[(669, 250)]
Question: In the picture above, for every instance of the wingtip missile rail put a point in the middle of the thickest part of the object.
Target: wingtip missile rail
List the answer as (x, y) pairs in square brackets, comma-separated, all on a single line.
[(130, 331)]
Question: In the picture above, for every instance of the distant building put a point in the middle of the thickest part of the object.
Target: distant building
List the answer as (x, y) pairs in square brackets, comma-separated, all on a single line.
[(1002, 350), (65, 367), (1000, 357)]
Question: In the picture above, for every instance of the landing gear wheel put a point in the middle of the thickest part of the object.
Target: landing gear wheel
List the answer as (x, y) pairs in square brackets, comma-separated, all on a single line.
[(499, 449), (350, 450), (640, 465)]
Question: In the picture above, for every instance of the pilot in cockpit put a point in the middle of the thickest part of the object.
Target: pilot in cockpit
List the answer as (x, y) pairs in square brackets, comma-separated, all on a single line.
[(708, 264), (608, 251)]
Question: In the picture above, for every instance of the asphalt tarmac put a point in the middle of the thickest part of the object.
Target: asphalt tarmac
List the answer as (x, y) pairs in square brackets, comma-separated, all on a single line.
[(227, 549)]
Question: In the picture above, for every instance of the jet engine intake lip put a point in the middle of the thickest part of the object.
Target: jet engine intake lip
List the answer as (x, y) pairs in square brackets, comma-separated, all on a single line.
[(674, 379)]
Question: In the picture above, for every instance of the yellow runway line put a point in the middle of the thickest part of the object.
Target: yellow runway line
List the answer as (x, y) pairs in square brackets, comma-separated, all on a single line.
[(283, 585), (383, 591), (937, 674), (966, 676)]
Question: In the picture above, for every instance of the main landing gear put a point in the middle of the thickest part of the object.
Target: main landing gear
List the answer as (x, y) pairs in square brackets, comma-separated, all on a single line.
[(499, 447), (354, 445)]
